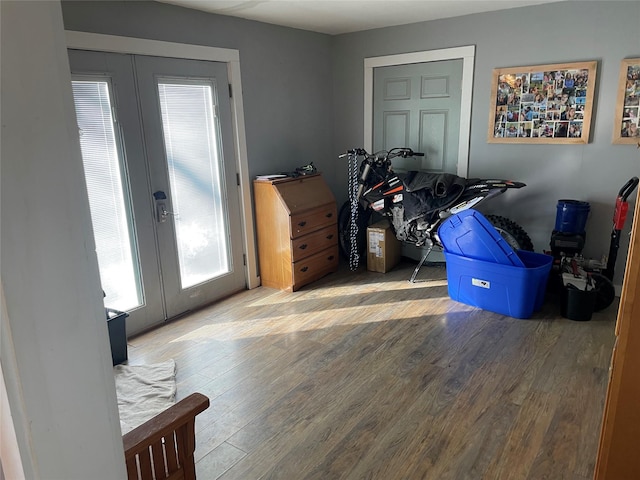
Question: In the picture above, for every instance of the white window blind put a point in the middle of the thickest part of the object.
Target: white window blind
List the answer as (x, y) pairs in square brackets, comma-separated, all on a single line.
[(108, 195), (194, 157)]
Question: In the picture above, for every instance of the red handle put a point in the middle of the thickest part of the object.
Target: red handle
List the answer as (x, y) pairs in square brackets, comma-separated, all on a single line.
[(620, 213)]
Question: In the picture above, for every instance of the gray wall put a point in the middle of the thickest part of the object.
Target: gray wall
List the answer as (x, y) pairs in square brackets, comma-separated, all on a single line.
[(606, 31), (54, 345), (286, 73)]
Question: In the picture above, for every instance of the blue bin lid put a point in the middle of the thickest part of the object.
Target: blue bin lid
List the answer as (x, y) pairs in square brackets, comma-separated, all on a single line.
[(470, 234)]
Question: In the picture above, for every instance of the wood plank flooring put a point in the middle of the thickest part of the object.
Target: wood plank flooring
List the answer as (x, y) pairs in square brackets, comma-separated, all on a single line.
[(367, 376)]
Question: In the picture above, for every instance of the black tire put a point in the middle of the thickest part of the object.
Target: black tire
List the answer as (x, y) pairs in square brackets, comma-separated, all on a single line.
[(344, 229), (605, 291), (513, 233)]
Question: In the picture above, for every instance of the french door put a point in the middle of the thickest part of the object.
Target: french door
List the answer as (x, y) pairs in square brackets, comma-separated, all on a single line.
[(157, 148)]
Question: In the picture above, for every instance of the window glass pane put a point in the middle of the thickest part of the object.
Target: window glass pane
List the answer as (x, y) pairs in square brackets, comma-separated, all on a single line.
[(194, 156), (108, 200)]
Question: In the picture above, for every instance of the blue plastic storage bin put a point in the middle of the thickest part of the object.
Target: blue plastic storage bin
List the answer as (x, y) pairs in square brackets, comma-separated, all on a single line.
[(506, 289), (470, 234)]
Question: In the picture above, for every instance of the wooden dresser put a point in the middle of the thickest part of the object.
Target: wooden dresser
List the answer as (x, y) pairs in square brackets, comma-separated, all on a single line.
[(297, 230)]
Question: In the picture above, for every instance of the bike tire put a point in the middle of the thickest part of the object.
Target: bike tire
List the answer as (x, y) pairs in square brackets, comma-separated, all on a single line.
[(344, 230), (513, 233)]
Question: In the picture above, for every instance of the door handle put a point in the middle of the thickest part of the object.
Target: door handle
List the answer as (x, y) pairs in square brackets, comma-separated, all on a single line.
[(161, 206)]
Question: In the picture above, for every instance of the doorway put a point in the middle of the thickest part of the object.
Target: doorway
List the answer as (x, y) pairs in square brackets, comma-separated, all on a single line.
[(418, 106), (454, 158), (467, 56), (157, 147)]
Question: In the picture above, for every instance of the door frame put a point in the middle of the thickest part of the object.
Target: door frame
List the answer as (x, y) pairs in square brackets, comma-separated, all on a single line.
[(466, 53), (156, 48), (617, 456)]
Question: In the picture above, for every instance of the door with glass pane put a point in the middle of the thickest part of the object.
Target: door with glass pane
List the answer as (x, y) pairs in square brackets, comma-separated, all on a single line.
[(157, 148), (187, 129)]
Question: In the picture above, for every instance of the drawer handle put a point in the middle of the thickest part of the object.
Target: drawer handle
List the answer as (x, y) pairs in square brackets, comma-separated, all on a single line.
[(304, 269), (329, 215), (302, 224), (329, 237), (303, 246), (331, 257)]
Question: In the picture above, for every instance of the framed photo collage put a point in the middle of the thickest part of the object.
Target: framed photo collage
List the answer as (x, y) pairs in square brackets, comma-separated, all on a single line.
[(627, 127), (542, 104)]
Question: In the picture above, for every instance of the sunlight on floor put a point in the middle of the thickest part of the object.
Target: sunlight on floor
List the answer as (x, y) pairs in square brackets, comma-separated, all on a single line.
[(343, 290), (295, 322)]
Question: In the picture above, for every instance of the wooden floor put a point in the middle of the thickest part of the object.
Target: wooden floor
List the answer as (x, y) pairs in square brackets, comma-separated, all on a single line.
[(365, 375)]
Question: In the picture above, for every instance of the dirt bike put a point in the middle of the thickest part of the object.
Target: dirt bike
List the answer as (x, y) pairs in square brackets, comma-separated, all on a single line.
[(416, 203)]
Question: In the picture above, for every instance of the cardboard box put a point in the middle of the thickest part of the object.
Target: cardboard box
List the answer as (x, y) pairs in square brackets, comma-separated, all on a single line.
[(383, 248)]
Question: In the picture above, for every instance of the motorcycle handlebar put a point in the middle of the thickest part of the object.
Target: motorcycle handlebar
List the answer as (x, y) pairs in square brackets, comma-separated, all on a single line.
[(354, 151), (382, 155)]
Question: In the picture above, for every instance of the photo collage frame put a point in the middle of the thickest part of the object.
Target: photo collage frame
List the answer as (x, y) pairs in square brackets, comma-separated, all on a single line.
[(542, 104), (627, 124)]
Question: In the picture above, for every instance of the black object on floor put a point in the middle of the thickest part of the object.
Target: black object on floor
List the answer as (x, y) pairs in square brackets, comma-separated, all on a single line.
[(116, 322), (577, 304)]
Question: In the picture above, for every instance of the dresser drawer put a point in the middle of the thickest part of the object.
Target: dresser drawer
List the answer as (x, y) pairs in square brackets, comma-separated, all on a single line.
[(312, 220), (307, 245), (311, 268)]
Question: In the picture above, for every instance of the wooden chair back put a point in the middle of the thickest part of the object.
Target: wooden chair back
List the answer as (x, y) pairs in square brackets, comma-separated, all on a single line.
[(162, 448)]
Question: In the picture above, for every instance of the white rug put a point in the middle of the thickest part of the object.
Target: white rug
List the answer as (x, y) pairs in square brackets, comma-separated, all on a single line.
[(144, 391)]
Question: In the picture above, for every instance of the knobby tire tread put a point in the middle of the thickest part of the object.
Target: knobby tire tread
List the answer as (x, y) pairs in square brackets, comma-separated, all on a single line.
[(513, 229)]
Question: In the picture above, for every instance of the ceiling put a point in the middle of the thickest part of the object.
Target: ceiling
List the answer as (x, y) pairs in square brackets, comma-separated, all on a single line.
[(343, 16)]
